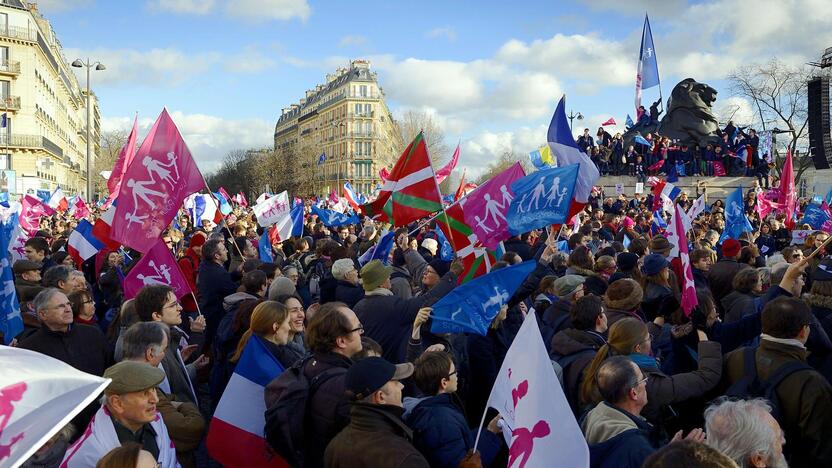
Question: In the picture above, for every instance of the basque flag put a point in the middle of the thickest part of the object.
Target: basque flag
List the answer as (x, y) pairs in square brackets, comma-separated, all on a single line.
[(236, 436), (82, 243)]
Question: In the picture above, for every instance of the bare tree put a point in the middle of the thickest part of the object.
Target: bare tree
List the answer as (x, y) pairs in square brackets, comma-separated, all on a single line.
[(412, 122), (111, 144), (778, 93), (506, 160)]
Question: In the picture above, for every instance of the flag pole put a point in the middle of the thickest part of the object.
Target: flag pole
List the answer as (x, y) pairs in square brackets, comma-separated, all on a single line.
[(448, 235), (230, 234)]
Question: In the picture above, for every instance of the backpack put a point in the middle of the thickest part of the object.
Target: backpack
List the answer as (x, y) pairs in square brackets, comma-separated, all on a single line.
[(317, 274), (751, 386), (286, 417)]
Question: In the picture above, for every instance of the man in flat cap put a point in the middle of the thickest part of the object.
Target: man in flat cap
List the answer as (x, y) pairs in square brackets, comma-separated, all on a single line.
[(128, 414)]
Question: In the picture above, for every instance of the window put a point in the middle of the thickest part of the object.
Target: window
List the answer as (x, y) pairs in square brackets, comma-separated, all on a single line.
[(5, 161), (368, 149), (363, 90), (368, 109), (357, 109)]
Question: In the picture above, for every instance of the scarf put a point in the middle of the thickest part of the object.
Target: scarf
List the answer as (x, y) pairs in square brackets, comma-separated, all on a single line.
[(643, 361), (379, 292)]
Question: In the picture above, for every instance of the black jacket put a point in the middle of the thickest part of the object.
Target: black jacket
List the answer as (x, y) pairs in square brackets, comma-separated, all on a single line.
[(579, 348), (83, 347), (348, 293), (515, 244), (213, 284)]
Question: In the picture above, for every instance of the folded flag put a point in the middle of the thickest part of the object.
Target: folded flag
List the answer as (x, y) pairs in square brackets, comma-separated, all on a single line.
[(542, 198), (82, 244), (333, 218), (380, 251), (471, 308), (235, 435)]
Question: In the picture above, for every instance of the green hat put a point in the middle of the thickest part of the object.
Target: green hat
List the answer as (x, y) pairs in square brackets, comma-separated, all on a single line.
[(132, 376), (373, 274), (567, 284)]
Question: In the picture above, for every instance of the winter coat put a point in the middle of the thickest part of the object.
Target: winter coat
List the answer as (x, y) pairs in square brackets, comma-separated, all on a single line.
[(721, 279), (485, 357), (737, 305), (214, 284), (515, 244), (582, 345), (184, 422), (180, 377), (189, 265), (376, 437), (700, 279), (442, 435), (348, 293), (616, 438), (805, 401), (665, 389), (287, 354), (388, 319), (401, 282), (83, 347), (416, 265)]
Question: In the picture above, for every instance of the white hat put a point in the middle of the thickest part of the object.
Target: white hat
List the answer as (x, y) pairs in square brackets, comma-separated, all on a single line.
[(431, 245)]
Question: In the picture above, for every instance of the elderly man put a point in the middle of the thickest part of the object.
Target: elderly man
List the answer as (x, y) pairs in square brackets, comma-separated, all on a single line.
[(214, 283), (27, 280), (376, 431), (128, 414), (616, 433), (347, 288), (745, 431), (568, 289), (147, 342), (64, 278)]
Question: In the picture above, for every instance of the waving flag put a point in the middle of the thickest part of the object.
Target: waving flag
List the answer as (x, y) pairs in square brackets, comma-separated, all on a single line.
[(57, 201), (103, 225), (736, 222), (125, 157), (445, 171), (351, 197), (539, 427), (264, 248), (476, 259), (446, 250), (629, 123), (40, 396), (321, 158), (82, 244), (154, 186), (688, 286), (788, 196), (225, 207), (642, 141), (79, 208), (648, 67), (411, 191), (157, 266), (11, 323), (486, 207), (610, 121), (542, 198), (235, 436), (333, 218), (697, 207), (203, 207), (566, 151), (43, 195), (658, 225), (383, 174), (664, 190), (470, 308), (271, 209), (814, 216), (542, 158), (31, 211), (380, 251), (290, 224), (240, 199)]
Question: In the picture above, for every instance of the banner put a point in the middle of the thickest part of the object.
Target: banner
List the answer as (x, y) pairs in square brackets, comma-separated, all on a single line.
[(157, 266), (542, 198), (270, 210), (485, 209)]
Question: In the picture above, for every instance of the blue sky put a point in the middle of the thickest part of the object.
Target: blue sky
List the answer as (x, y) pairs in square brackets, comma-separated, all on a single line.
[(490, 72)]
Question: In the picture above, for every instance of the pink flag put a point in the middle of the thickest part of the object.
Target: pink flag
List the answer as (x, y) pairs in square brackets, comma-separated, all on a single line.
[(157, 182), (658, 165), (611, 121), (764, 205), (225, 194), (80, 208), (485, 208), (31, 213), (788, 197), (444, 172), (157, 266), (384, 174), (241, 200), (689, 300), (125, 157), (719, 169)]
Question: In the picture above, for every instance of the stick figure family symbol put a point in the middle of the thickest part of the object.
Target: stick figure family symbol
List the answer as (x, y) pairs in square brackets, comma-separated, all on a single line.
[(159, 173), (522, 438), (550, 198), (162, 275), (494, 209), (8, 395)]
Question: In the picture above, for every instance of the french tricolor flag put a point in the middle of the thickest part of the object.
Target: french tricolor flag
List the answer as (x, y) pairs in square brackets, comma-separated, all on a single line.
[(235, 437), (351, 197), (664, 190), (82, 243), (101, 229)]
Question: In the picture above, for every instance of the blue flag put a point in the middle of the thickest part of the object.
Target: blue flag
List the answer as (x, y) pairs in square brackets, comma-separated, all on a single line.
[(672, 175), (629, 122), (225, 207), (4, 199), (658, 225), (541, 198), (11, 323), (626, 241), (264, 246), (380, 251), (470, 308), (198, 210), (736, 222), (446, 250), (334, 218), (642, 141), (563, 246), (815, 216), (44, 195), (321, 158), (647, 58), (829, 197)]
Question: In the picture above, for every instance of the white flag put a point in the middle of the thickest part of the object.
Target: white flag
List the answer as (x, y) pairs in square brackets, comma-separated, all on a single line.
[(538, 423), (39, 395), (673, 236), (697, 207)]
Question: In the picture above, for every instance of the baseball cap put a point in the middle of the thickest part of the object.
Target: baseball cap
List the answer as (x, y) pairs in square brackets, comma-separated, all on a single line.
[(370, 374)]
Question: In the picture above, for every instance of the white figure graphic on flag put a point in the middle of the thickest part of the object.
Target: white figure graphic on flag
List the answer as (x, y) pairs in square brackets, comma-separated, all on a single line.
[(493, 208), (507, 198), (162, 275), (158, 168), (539, 191), (140, 191)]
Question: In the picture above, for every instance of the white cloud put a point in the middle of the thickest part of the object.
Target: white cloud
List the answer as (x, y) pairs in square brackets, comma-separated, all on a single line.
[(192, 7), (208, 137), (736, 108), (266, 10), (656, 8), (352, 41), (250, 60), (445, 32), (154, 67), (485, 147)]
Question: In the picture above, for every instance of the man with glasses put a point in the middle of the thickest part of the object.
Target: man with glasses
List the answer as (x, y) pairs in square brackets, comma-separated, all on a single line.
[(614, 429), (440, 430), (333, 335)]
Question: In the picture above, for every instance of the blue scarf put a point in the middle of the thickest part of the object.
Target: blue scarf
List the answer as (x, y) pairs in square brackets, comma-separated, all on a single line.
[(643, 361)]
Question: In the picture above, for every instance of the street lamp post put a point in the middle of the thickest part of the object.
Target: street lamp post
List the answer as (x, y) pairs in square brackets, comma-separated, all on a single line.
[(78, 63), (572, 116)]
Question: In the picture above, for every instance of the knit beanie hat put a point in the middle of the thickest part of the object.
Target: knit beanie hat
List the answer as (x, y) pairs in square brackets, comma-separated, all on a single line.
[(440, 266), (623, 294)]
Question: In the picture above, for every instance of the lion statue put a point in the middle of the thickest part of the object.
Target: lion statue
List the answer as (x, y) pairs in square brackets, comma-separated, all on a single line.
[(689, 117)]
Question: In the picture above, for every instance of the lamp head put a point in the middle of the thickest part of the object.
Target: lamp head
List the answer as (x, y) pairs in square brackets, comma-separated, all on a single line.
[(580, 116), (100, 66), (77, 63)]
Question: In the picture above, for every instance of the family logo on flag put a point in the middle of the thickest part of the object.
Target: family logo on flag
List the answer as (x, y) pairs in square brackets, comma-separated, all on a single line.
[(11, 322), (157, 266), (380, 251), (736, 222), (161, 176), (272, 209), (333, 218), (31, 212), (485, 209), (542, 198)]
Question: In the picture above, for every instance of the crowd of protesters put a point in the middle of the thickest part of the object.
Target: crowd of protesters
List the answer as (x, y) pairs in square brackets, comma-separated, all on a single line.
[(742, 381)]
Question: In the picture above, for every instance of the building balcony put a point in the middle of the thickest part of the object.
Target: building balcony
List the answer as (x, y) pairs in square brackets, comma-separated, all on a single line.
[(16, 32), (30, 141), (363, 115), (10, 67), (10, 103), (362, 134)]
